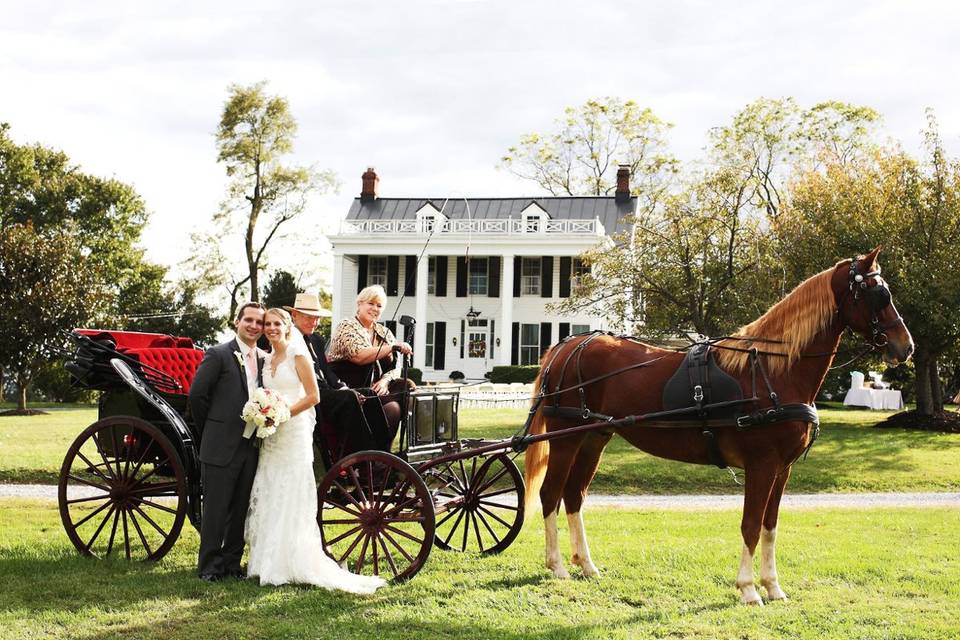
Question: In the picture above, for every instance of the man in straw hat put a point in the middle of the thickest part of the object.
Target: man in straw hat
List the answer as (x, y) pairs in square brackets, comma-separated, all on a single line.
[(339, 405)]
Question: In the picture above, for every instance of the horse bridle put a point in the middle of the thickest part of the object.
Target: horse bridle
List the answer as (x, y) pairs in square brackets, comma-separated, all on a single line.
[(878, 298)]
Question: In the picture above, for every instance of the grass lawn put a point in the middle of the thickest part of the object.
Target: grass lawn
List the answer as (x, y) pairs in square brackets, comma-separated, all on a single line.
[(849, 573), (849, 456)]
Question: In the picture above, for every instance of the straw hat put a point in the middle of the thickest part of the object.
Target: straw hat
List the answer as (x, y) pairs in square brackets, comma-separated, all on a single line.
[(309, 304)]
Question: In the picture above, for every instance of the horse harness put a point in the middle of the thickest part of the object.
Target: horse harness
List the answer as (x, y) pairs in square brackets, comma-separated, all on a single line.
[(700, 394)]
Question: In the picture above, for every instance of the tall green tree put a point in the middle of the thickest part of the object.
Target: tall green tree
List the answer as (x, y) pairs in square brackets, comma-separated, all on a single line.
[(47, 284), (254, 138), (912, 209), (281, 289)]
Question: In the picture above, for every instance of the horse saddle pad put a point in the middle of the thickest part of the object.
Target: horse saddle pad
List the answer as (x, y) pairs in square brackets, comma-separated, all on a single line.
[(700, 382)]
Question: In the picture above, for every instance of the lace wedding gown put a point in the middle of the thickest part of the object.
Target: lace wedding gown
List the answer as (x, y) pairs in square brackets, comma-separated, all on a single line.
[(281, 527)]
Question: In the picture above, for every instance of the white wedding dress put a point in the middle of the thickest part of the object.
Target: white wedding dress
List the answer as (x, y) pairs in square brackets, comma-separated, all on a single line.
[(281, 527)]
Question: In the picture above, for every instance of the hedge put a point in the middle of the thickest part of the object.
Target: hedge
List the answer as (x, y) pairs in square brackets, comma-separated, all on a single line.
[(514, 373)]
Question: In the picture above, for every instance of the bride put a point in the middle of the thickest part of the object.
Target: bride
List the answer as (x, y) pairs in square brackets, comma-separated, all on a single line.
[(281, 527)]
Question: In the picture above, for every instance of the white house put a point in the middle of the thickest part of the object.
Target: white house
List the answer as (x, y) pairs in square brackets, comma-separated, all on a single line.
[(476, 273)]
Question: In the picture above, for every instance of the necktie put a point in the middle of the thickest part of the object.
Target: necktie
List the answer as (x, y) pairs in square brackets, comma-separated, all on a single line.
[(251, 369)]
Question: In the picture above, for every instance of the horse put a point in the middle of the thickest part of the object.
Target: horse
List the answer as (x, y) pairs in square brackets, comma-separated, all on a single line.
[(792, 345)]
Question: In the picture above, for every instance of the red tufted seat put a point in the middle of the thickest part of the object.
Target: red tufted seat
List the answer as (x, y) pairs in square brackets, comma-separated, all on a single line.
[(180, 364)]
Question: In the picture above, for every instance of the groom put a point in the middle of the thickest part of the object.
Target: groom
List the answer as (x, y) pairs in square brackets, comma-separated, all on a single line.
[(224, 381)]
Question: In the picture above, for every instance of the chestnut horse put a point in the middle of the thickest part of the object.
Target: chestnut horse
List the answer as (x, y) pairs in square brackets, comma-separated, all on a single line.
[(796, 339)]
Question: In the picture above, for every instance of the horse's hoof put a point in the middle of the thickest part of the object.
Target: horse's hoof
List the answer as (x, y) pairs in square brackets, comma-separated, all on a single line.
[(774, 592), (754, 603), (749, 596), (560, 572), (590, 571)]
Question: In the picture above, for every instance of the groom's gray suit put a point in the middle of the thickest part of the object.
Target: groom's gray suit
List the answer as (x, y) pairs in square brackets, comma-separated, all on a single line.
[(228, 460)]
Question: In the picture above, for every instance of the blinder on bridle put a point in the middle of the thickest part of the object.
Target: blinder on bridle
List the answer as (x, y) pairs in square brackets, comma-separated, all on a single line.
[(878, 298)]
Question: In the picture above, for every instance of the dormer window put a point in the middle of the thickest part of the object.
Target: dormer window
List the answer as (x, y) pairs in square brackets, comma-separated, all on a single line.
[(534, 219), (428, 219)]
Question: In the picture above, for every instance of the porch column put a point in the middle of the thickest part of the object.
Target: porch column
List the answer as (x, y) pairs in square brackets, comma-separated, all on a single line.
[(337, 289), (506, 311), (420, 336)]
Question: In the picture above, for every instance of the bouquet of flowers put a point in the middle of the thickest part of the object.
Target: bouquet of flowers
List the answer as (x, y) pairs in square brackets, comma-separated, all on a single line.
[(265, 410)]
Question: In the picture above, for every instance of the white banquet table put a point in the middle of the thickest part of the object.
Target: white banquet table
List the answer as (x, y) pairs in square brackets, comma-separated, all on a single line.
[(890, 399)]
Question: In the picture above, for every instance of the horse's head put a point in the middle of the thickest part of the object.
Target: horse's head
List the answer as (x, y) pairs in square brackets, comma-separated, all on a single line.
[(866, 306)]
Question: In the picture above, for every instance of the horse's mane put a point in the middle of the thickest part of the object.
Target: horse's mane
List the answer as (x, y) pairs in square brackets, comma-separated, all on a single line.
[(793, 322)]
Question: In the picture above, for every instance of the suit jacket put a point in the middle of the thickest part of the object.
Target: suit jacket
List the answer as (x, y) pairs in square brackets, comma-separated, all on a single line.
[(326, 378), (217, 395)]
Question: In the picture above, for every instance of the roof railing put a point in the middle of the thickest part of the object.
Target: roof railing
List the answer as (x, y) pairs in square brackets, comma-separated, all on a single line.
[(491, 226)]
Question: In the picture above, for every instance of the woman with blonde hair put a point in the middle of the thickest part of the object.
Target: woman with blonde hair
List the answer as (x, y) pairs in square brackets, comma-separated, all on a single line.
[(363, 356)]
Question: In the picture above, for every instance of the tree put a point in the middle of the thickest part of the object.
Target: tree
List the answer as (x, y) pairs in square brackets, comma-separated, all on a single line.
[(912, 209), (582, 156), (47, 285), (255, 133), (281, 289)]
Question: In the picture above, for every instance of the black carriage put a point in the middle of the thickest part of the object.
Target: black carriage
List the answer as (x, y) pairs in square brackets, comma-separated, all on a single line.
[(130, 479)]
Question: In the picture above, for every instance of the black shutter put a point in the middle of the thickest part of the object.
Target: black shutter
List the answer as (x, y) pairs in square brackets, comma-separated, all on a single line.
[(441, 276), (517, 263), (361, 272), (392, 325), (515, 344), (564, 330), (463, 336), (493, 290), (439, 344), (393, 274), (545, 339), (565, 268), (410, 286), (461, 277), (546, 277), (493, 338)]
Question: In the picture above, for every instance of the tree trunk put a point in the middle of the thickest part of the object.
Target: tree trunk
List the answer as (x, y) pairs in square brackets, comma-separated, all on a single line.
[(924, 395), (936, 389), (3, 397), (21, 396)]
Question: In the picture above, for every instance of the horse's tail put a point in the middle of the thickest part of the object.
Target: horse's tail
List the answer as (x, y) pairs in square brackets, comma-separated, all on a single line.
[(537, 454)]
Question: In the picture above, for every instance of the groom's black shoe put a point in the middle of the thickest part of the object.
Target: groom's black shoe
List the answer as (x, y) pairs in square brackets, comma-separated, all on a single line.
[(211, 577), (239, 574)]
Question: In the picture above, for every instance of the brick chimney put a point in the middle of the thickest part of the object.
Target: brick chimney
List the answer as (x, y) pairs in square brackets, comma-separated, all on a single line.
[(370, 181), (623, 183)]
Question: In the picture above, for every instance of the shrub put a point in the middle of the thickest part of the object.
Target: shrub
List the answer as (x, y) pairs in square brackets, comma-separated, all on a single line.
[(416, 375), (457, 375), (514, 373)]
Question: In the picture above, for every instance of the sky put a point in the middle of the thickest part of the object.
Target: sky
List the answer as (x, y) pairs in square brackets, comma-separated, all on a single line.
[(432, 93)]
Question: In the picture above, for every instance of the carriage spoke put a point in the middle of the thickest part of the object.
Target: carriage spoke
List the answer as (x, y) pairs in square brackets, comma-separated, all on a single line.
[(406, 519), (363, 552), (77, 525), (92, 467), (347, 495), (356, 483), (489, 529), (370, 480), (143, 538), (89, 483), (376, 554), (342, 535), (493, 479), (141, 479), (466, 531), (398, 490), (493, 515), (126, 534), (409, 558), (454, 528), (161, 489), (476, 531), (100, 528), (353, 545), (498, 505), (153, 504), (150, 520), (401, 532), (499, 492), (340, 521), (143, 457), (388, 557), (401, 506), (113, 531), (116, 449), (105, 496), (449, 515), (106, 463)]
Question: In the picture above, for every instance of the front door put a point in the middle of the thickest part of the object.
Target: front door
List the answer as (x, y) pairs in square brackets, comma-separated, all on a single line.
[(477, 347)]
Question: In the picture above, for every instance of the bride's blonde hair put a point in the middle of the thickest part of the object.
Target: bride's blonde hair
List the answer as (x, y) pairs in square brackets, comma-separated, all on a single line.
[(284, 318)]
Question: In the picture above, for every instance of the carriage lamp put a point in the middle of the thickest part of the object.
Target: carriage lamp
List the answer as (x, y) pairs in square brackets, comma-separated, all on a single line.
[(497, 341), (129, 441), (454, 341)]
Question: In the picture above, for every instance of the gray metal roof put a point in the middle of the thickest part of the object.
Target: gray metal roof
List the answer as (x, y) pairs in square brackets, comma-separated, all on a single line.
[(606, 208)]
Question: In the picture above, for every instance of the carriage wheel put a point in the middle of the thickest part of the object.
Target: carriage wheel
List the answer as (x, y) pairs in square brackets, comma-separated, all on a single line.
[(483, 503), (122, 489), (376, 515)]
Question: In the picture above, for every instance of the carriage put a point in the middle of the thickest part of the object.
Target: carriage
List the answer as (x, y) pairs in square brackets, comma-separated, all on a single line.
[(131, 479)]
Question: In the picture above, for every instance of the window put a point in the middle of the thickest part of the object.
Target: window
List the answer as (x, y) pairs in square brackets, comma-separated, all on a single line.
[(477, 284), (377, 271), (578, 270), (428, 222), (579, 328), (531, 224), (432, 276), (477, 338), (428, 348), (529, 344), (530, 276)]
